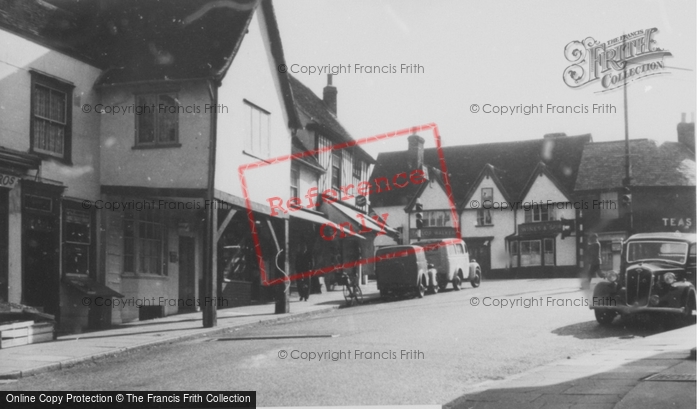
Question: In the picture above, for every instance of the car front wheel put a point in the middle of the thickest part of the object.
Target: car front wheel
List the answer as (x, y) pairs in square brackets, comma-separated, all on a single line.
[(457, 282), (476, 281), (690, 306), (605, 317)]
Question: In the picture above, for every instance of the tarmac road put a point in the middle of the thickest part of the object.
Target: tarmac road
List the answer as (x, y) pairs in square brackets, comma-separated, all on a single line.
[(408, 351)]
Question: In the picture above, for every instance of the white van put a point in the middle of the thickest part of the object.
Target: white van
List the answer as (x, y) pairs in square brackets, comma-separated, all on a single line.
[(450, 258)]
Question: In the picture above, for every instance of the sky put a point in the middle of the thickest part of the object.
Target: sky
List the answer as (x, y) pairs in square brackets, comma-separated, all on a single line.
[(502, 53)]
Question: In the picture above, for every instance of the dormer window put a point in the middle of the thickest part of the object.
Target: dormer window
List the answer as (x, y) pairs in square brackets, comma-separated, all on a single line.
[(542, 213)]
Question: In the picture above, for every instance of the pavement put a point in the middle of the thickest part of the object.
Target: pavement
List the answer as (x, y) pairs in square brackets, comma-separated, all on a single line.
[(658, 371), (73, 349)]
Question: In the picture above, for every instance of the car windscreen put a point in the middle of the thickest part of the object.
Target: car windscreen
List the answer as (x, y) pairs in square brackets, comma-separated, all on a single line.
[(672, 251)]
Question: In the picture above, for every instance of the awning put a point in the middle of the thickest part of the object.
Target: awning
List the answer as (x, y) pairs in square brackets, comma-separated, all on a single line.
[(317, 218), (91, 287), (369, 223)]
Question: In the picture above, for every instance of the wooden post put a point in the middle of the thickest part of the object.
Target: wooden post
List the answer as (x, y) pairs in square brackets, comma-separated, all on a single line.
[(282, 305), (210, 269)]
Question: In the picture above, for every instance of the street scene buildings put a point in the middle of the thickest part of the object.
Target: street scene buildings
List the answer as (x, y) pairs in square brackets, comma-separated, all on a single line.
[(164, 163)]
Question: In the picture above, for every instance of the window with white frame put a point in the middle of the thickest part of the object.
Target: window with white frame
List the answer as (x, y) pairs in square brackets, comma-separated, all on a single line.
[(530, 253), (483, 217), (294, 182), (157, 124), (144, 242), (336, 170), (51, 116), (437, 218), (257, 129), (539, 213)]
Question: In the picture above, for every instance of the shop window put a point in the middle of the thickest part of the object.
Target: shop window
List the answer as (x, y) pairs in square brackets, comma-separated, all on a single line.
[(144, 243), (548, 252), (257, 129), (157, 120), (51, 112), (537, 214), (483, 217), (77, 239), (530, 253)]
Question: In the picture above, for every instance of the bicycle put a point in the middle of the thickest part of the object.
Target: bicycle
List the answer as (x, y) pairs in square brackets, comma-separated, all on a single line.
[(351, 289)]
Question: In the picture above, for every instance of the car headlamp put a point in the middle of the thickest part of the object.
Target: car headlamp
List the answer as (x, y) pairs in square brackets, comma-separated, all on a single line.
[(611, 276), (669, 278)]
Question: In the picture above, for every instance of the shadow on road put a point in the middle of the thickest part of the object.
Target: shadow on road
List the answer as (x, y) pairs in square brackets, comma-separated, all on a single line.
[(622, 327)]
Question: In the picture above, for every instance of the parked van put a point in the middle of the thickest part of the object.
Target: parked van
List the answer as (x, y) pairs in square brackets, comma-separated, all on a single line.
[(451, 260), (402, 269)]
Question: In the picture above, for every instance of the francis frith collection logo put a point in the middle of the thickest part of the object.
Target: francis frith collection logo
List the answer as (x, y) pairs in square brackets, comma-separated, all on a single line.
[(628, 57)]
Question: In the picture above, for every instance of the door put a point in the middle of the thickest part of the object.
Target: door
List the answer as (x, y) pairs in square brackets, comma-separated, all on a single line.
[(41, 275), (187, 273), (4, 266), (480, 252)]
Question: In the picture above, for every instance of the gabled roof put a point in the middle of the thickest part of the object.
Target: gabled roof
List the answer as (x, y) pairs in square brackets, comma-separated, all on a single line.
[(321, 118), (514, 162), (433, 175), (496, 175), (541, 169), (652, 164)]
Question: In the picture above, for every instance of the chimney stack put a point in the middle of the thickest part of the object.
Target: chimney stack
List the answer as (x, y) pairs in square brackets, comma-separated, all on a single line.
[(686, 132), (415, 152), (330, 96)]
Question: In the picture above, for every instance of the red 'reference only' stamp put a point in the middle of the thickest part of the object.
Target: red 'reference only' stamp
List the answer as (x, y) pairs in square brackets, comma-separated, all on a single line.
[(278, 205)]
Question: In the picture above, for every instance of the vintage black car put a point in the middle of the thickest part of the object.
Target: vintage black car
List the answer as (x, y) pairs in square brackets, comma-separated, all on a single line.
[(657, 275)]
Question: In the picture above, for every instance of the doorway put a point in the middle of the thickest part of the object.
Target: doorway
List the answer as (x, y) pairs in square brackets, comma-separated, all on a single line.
[(187, 274), (4, 231), (41, 277)]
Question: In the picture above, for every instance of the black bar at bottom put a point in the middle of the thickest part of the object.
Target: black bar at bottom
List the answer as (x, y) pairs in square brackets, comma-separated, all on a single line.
[(128, 399)]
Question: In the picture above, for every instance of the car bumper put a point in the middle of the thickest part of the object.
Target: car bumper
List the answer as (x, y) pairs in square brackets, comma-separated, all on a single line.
[(627, 310)]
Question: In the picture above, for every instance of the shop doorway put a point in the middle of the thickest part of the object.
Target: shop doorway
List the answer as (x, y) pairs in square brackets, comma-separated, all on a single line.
[(41, 277), (187, 300), (4, 266)]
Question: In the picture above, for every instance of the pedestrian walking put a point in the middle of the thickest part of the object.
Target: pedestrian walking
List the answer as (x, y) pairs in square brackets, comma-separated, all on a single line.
[(592, 261), (304, 264)]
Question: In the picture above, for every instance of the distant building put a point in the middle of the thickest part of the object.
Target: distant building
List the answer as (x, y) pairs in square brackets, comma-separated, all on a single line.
[(511, 199), (337, 172), (662, 189)]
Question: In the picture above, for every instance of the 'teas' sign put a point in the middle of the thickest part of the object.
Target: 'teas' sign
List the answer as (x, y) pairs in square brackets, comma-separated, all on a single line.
[(8, 181)]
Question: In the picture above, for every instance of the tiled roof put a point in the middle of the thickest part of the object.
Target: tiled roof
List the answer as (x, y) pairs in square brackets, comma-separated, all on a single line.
[(652, 164), (137, 40), (514, 162), (321, 118)]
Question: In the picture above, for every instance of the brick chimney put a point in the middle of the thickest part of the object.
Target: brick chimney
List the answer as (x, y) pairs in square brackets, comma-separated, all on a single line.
[(686, 132), (415, 152), (330, 96)]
